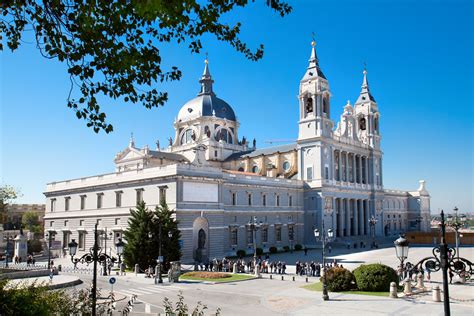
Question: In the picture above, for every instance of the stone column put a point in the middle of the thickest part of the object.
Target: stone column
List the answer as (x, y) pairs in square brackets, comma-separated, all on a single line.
[(356, 219), (366, 217), (367, 170), (339, 165), (348, 217), (360, 168), (342, 221), (353, 168)]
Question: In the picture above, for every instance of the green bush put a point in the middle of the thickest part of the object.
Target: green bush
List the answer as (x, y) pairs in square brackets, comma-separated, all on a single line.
[(375, 277), (259, 251), (34, 246), (339, 279), (273, 249), (241, 253), (286, 248), (298, 247)]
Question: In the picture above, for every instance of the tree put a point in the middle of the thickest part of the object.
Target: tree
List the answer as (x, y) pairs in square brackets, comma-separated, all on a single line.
[(170, 250), (139, 247), (31, 222), (143, 236), (7, 195), (112, 48)]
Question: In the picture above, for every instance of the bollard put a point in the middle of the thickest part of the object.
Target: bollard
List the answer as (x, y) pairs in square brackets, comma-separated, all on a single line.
[(420, 284), (282, 278), (293, 278), (436, 294), (393, 290), (271, 276), (407, 287), (306, 279), (137, 268)]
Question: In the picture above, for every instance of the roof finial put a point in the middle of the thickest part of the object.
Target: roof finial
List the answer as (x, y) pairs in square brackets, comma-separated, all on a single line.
[(132, 140), (313, 59), (206, 80), (313, 42), (364, 82)]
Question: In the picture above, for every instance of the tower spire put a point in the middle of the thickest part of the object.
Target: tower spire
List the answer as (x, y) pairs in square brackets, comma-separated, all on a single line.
[(313, 69), (206, 79), (365, 94)]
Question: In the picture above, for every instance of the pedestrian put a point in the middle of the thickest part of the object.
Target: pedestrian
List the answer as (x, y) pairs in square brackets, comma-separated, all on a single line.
[(305, 250), (329, 248), (110, 267), (451, 275)]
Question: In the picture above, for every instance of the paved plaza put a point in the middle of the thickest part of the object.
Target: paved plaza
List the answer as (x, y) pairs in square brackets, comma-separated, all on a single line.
[(276, 297)]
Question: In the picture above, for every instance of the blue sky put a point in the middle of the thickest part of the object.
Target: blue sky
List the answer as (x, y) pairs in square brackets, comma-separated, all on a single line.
[(419, 57)]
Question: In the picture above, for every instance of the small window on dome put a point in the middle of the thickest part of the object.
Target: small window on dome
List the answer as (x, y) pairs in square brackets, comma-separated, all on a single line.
[(286, 166), (190, 110), (187, 137)]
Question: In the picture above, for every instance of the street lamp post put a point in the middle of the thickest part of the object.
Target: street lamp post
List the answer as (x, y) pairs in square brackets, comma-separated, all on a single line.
[(50, 239), (443, 247), (324, 238), (104, 233), (456, 222), (401, 249), (372, 222), (254, 226), (7, 239), (95, 256)]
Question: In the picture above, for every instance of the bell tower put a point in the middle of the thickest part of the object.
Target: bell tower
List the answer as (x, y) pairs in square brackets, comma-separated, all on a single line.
[(368, 116), (314, 100)]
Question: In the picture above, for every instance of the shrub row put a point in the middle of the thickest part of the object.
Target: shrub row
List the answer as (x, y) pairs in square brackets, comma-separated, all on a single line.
[(371, 278)]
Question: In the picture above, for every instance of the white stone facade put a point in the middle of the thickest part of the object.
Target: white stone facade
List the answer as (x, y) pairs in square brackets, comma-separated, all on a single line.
[(217, 182)]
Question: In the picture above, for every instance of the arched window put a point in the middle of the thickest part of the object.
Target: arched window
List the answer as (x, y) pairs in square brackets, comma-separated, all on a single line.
[(362, 123), (187, 137), (309, 105), (241, 169), (207, 131), (224, 135), (376, 124), (255, 169), (286, 166), (326, 106)]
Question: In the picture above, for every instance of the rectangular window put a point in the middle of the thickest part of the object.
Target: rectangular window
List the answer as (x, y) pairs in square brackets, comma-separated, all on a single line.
[(139, 196), (278, 233), (233, 236), (326, 172), (81, 222), (83, 201), (277, 200), (66, 203), (264, 200), (99, 222), (51, 224), (265, 234), (53, 205), (82, 240), (291, 232), (250, 199), (66, 223), (234, 199), (163, 193), (99, 199), (66, 236), (118, 198), (290, 201), (117, 221), (249, 236), (309, 173)]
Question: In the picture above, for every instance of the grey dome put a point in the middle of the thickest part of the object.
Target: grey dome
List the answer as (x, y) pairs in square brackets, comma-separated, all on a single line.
[(206, 105)]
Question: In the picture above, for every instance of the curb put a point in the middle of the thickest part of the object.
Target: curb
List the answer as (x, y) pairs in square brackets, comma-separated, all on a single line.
[(63, 285)]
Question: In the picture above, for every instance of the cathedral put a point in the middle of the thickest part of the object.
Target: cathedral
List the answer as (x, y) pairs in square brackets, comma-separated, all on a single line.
[(220, 184)]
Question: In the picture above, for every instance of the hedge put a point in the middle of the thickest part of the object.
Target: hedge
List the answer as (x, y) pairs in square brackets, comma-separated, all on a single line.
[(375, 277), (298, 247), (339, 279), (241, 253), (273, 249)]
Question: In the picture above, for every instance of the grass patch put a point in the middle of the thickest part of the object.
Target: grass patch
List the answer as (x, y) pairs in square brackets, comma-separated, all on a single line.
[(318, 286), (215, 276)]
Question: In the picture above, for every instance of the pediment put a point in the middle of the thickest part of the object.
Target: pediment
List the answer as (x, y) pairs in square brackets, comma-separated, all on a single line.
[(129, 154)]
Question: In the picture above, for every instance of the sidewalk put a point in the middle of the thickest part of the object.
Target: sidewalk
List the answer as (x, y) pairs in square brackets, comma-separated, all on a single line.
[(58, 281)]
